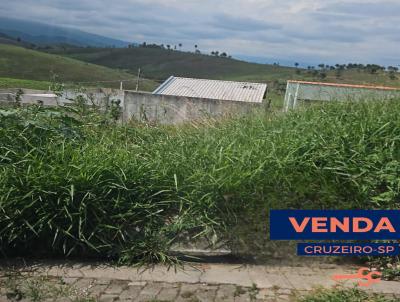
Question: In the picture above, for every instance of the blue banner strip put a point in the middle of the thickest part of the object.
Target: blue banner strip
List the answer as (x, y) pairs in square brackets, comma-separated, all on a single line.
[(334, 224), (348, 249)]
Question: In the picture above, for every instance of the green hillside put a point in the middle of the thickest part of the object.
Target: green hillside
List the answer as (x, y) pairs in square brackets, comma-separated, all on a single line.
[(159, 64), (25, 64), (106, 66), (5, 39), (28, 84)]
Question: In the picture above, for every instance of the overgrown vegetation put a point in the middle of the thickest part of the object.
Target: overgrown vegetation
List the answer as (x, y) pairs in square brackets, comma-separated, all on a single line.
[(345, 295), (74, 183), (389, 266)]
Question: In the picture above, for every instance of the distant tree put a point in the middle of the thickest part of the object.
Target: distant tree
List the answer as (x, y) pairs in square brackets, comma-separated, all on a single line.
[(213, 53), (180, 46), (341, 67), (197, 52), (296, 64), (168, 46), (373, 68), (19, 39), (216, 53), (392, 72), (392, 75), (196, 46), (175, 47), (154, 45), (223, 54), (322, 66)]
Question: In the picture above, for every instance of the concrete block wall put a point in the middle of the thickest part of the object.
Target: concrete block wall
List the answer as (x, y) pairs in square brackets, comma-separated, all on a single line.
[(47, 98), (165, 109), (99, 96), (140, 106)]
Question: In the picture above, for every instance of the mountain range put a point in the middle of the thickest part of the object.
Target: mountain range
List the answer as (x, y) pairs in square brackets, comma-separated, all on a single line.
[(45, 34)]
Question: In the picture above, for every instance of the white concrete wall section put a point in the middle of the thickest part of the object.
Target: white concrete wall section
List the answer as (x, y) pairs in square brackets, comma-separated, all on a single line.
[(166, 109), (305, 91), (140, 106)]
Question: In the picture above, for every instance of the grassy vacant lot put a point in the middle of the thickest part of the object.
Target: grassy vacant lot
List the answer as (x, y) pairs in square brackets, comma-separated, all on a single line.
[(160, 64), (78, 185), (21, 63)]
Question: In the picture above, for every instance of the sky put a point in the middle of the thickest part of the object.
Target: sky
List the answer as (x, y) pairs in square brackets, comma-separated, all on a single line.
[(305, 31)]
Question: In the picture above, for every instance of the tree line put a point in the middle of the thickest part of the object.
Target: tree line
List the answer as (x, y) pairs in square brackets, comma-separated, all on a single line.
[(178, 47), (321, 69)]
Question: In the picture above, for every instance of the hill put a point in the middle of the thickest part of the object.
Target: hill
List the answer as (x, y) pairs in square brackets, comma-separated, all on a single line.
[(159, 63), (6, 39), (21, 63), (40, 33)]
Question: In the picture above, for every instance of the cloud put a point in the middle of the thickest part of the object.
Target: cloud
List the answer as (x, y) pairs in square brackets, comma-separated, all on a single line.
[(371, 9), (236, 23), (330, 31)]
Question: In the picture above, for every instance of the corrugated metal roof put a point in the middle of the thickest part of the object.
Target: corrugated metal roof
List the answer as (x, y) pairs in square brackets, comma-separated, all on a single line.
[(213, 89)]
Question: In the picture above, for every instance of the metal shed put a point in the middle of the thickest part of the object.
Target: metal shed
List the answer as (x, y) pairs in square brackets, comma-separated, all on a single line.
[(213, 89)]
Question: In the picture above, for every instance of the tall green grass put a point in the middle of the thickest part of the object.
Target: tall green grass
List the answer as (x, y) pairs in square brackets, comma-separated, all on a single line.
[(87, 187)]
